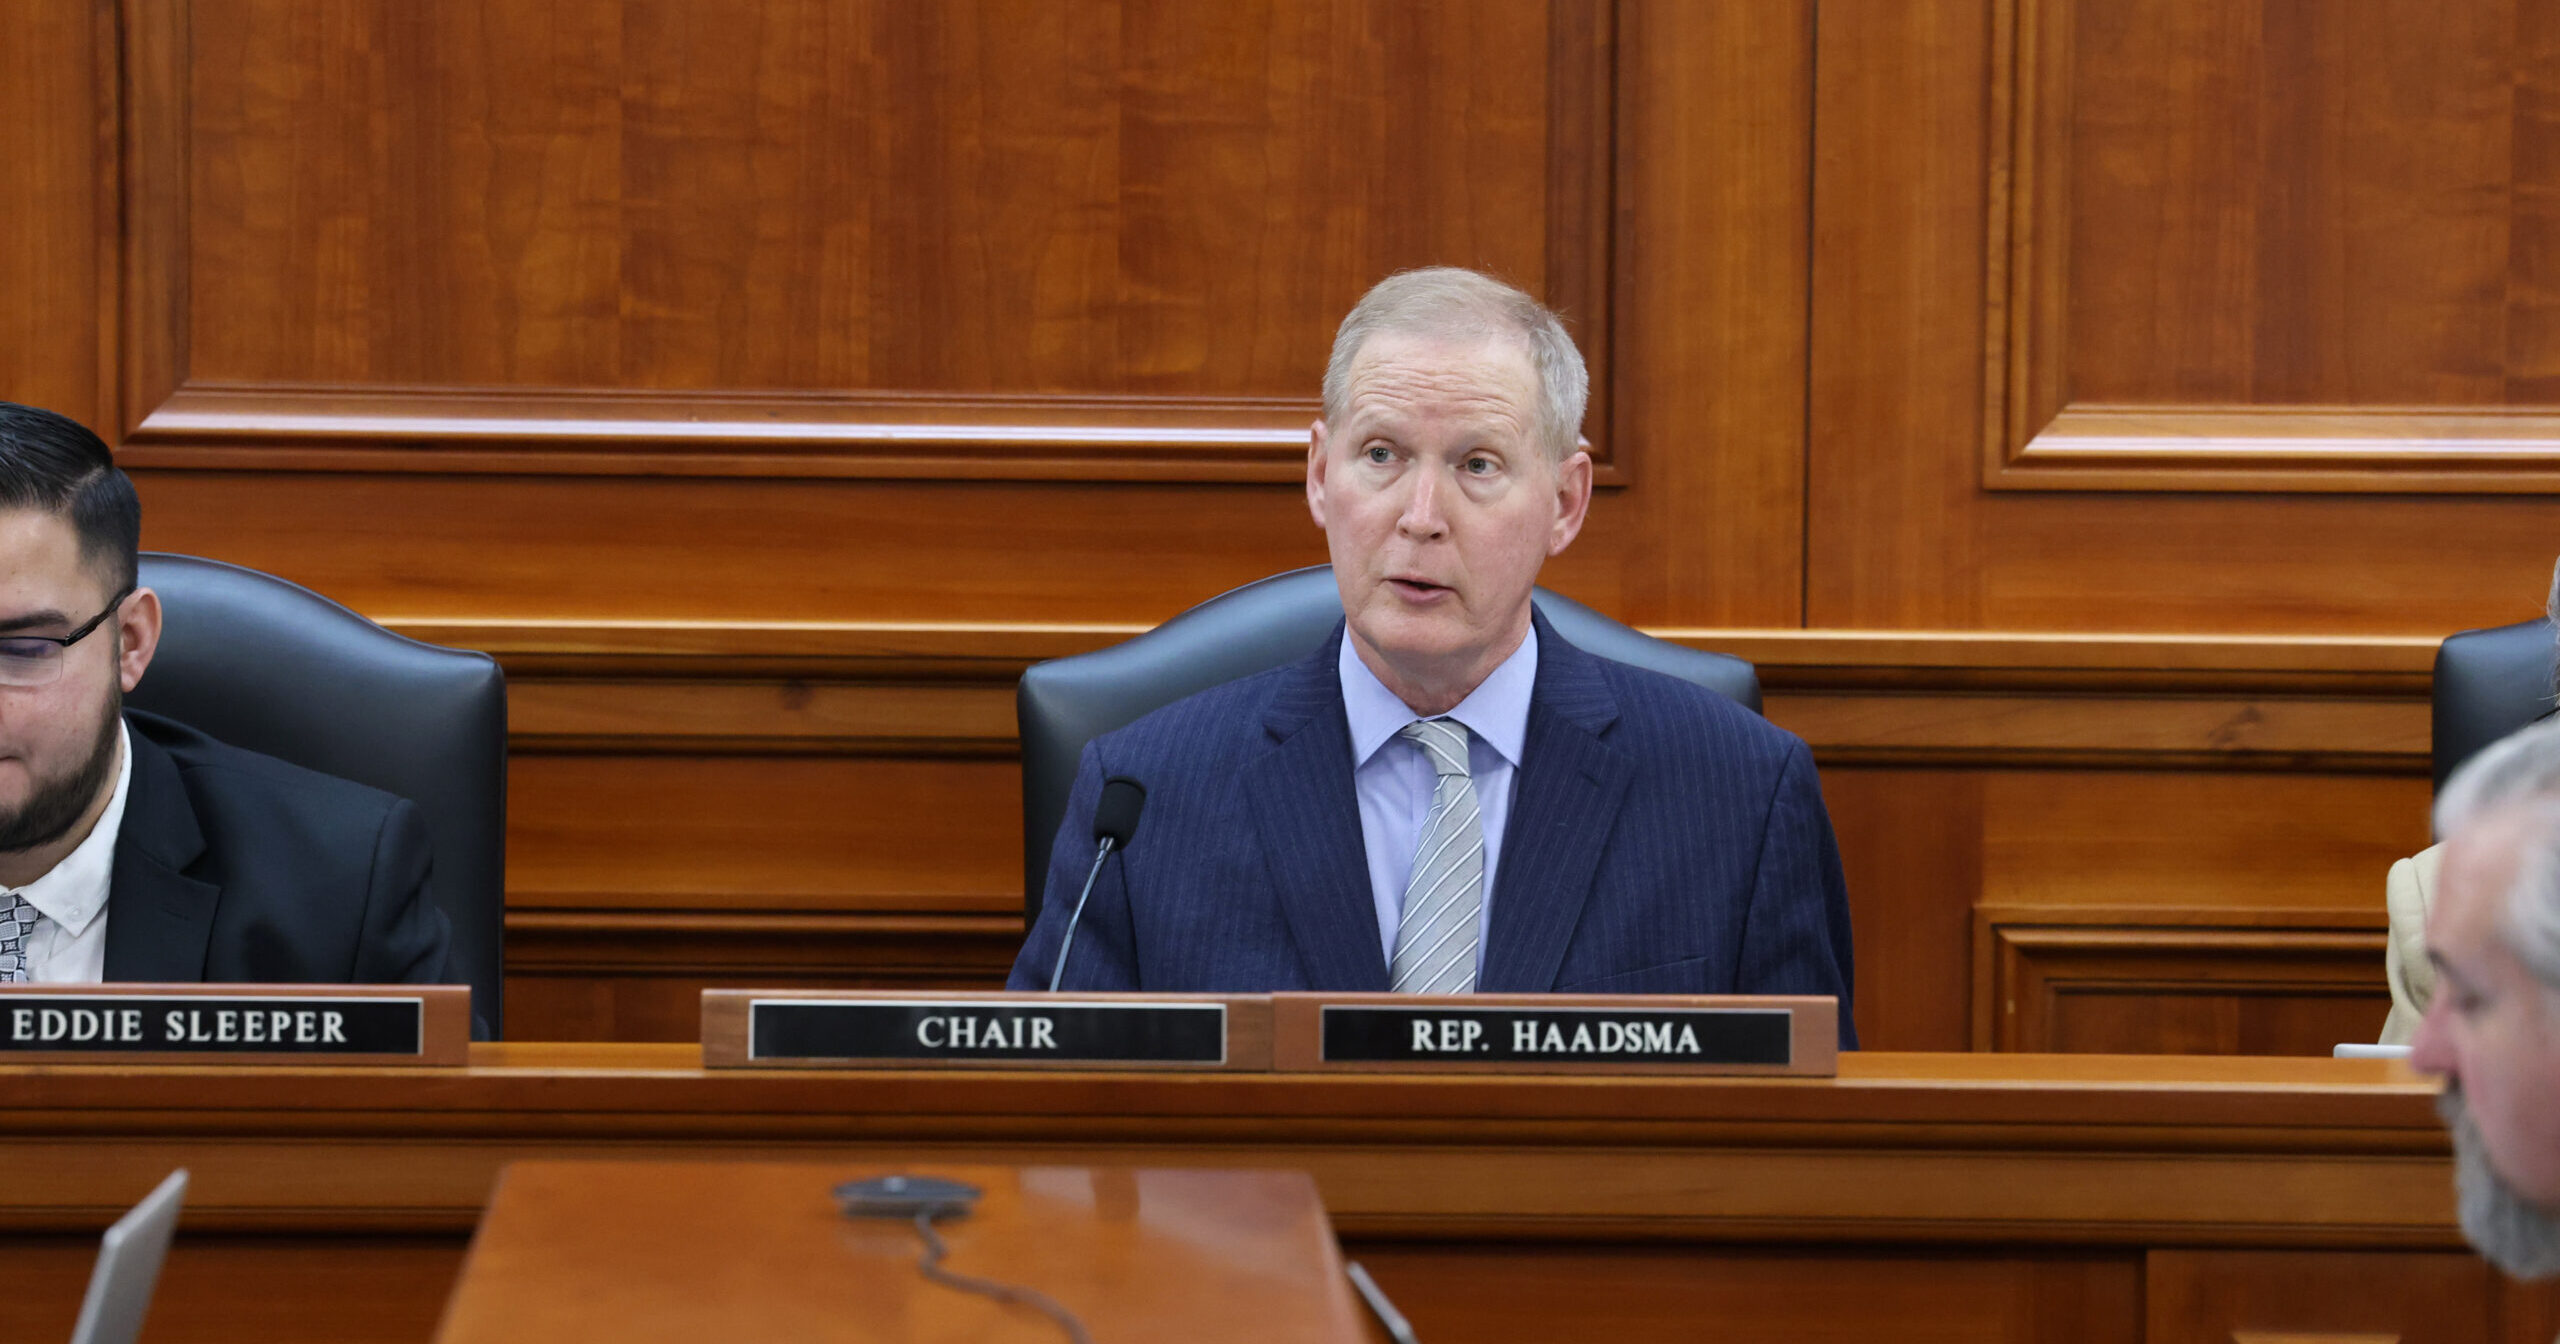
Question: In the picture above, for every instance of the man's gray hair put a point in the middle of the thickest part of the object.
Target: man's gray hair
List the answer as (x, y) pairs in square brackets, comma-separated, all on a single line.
[(2521, 769), (1454, 304)]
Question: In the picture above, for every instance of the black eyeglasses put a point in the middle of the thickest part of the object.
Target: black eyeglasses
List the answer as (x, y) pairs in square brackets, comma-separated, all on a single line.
[(35, 660)]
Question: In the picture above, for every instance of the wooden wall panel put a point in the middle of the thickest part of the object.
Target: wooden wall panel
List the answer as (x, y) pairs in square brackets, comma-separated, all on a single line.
[(1147, 196), (2179, 985), (2265, 246), (345, 1287), (1635, 1294), (1716, 146), (1914, 290), (2222, 1297), (768, 389), (1106, 238), (778, 833), (1943, 861), (54, 249), (2286, 204)]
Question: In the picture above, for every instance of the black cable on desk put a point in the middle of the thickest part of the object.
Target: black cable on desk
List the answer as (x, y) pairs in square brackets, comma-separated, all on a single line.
[(1012, 1294)]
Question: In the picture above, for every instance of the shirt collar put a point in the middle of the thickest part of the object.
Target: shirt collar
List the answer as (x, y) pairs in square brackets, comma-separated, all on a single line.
[(1496, 711), (74, 891)]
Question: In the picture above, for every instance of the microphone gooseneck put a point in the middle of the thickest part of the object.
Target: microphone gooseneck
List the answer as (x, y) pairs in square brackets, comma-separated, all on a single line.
[(1115, 820)]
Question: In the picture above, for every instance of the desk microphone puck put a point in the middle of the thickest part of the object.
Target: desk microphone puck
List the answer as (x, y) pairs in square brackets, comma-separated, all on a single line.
[(904, 1196)]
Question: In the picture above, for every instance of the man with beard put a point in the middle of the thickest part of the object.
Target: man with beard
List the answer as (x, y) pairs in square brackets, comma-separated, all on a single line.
[(2493, 1027), (133, 848)]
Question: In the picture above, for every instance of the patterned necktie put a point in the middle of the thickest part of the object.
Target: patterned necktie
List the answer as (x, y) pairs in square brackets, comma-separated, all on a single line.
[(1444, 898), (17, 920)]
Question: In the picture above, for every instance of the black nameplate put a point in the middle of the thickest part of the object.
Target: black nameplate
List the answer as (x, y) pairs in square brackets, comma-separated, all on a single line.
[(1366, 1034), (210, 1024), (964, 1030)]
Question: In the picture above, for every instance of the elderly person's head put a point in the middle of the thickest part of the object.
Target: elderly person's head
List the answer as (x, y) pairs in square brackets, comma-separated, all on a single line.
[(2493, 1026), (1445, 471)]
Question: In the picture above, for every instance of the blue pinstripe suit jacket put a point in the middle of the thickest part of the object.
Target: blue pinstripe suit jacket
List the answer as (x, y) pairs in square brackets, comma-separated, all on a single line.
[(1663, 840)]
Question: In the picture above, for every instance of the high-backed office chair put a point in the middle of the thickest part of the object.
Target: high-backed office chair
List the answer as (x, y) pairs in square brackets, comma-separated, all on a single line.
[(2488, 684), (1065, 703), (271, 666)]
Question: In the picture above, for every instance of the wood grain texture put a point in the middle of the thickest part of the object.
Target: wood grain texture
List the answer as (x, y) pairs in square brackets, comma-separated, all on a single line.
[(1709, 257), (1646, 1294), (555, 333), (1912, 292), (1902, 1149), (682, 1251), (2322, 217), (2249, 1296), (837, 816), (345, 1287), (638, 975), (2281, 204), (2245, 987), (1955, 1196), (986, 200), (58, 227)]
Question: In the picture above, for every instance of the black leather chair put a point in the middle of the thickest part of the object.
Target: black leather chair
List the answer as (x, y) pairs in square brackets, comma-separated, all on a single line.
[(1065, 703), (2488, 684), (261, 663)]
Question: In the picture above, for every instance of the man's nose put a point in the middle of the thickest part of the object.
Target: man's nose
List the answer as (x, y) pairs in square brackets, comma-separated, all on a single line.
[(2431, 1050), (1422, 518)]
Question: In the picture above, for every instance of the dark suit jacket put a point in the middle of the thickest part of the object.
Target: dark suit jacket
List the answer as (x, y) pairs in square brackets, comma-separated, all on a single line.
[(233, 867), (1662, 840)]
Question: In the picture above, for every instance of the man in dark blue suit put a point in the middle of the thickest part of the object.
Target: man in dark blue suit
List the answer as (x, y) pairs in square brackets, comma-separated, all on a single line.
[(1449, 797)]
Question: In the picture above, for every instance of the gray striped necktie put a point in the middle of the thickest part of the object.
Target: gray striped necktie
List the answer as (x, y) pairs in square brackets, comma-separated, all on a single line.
[(17, 920), (1444, 898)]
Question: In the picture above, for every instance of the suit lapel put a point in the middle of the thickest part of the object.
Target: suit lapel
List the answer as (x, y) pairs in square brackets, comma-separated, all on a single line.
[(1308, 816), (159, 920), (1571, 785)]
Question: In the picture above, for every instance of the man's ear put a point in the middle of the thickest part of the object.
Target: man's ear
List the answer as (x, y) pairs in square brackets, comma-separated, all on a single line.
[(1315, 471), (138, 635), (1573, 500)]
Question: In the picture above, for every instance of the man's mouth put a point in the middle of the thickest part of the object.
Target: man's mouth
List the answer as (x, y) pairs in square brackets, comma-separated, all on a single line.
[(1412, 587)]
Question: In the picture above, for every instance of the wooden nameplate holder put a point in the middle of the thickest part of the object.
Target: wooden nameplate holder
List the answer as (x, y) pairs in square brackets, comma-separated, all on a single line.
[(1557, 1033), (857, 1029), (235, 1024)]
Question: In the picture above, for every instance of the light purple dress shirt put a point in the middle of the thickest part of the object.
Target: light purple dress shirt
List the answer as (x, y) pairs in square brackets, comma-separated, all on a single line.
[(1395, 781)]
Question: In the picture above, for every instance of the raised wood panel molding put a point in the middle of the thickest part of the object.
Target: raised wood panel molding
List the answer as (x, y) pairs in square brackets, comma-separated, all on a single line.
[(1004, 239), (820, 803), (2264, 247), (2196, 981), (2320, 1297), (575, 975), (1867, 697)]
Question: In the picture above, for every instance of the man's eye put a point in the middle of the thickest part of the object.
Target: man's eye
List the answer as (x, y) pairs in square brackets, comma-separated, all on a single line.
[(1480, 466), (28, 650), (1380, 455)]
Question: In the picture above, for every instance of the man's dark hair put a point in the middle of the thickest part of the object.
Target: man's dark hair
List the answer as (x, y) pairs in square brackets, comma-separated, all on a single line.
[(52, 462)]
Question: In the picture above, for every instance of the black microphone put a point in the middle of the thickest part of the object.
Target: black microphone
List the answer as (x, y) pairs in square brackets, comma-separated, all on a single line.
[(1115, 819)]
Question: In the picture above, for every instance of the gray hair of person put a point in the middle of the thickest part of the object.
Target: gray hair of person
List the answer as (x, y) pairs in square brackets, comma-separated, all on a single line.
[(2521, 769), (1455, 304)]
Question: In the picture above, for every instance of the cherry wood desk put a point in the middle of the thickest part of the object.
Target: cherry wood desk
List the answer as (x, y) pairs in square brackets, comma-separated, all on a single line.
[(682, 1252), (1977, 1197)]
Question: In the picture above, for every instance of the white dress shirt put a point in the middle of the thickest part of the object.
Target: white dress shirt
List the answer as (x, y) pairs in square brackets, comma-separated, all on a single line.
[(69, 945)]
